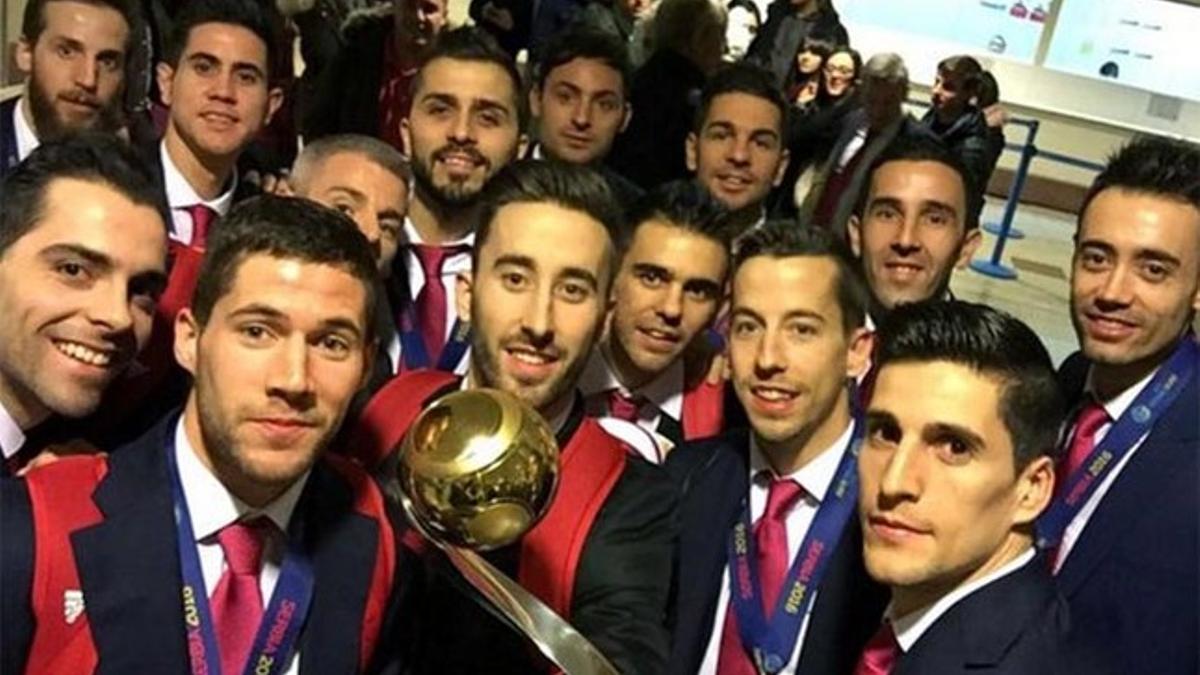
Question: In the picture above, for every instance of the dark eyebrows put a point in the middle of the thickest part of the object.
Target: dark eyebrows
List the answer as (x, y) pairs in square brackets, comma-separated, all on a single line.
[(580, 274), (1153, 254), (892, 202), (746, 313), (570, 86), (487, 104), (260, 310), (721, 125), (515, 261), (935, 205), (769, 134), (876, 417), (91, 256), (939, 429), (651, 268), (804, 314)]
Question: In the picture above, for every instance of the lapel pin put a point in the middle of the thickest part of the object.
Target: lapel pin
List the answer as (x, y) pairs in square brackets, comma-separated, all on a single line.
[(72, 605)]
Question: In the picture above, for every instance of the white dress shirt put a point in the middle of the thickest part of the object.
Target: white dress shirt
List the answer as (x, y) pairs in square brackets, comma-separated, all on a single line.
[(212, 507), (11, 436), (1115, 408), (910, 627), (27, 140), (181, 196), (451, 268), (815, 477)]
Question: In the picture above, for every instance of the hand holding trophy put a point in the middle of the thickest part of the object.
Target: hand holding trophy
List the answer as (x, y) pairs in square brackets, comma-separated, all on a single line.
[(477, 470)]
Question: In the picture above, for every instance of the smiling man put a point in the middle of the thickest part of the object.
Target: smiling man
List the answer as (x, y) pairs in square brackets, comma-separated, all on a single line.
[(798, 601), (544, 259), (73, 53), (668, 290), (467, 122), (251, 550), (916, 223), (580, 101), (736, 148), (82, 256), (1130, 505), (955, 469)]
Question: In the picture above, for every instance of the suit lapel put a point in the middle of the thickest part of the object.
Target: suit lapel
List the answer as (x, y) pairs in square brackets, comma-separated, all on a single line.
[(1168, 452), (724, 482), (129, 564), (342, 544), (980, 630)]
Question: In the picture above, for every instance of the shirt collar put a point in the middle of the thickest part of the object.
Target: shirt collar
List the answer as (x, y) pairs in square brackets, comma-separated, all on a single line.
[(181, 194), (11, 435), (911, 627), (411, 236), (816, 476), (1121, 402), (665, 391), (27, 140), (211, 506)]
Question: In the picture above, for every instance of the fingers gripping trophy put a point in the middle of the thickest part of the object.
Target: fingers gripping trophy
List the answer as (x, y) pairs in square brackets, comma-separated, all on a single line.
[(477, 470)]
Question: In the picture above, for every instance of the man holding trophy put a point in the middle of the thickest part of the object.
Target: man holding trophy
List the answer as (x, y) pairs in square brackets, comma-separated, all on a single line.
[(601, 557)]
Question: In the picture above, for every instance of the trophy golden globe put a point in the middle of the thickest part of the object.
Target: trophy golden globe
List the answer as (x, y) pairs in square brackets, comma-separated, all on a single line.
[(478, 469)]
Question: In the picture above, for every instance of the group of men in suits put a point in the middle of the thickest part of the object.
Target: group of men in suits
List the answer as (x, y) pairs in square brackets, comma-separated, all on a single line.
[(899, 500)]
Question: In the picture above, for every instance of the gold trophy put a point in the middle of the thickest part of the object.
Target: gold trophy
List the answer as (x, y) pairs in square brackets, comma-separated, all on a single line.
[(477, 470)]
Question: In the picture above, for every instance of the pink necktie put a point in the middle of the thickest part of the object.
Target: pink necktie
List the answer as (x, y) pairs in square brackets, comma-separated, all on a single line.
[(880, 654), (1087, 424), (770, 540), (202, 219), (623, 406), (431, 303), (237, 605)]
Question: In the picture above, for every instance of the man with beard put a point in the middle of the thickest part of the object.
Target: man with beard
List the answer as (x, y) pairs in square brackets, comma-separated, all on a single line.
[(223, 540), (82, 261), (466, 124), (367, 88), (916, 222), (601, 557), (73, 54), (1126, 520)]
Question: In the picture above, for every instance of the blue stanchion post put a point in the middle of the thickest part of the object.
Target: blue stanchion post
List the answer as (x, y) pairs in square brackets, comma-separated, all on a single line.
[(994, 267), (995, 227)]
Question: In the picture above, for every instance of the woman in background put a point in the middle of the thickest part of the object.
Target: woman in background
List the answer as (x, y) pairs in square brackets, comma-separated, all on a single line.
[(805, 83)]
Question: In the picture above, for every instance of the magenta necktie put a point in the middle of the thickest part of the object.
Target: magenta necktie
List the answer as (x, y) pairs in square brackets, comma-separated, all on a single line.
[(237, 606), (431, 303), (770, 540), (623, 406), (1087, 424), (202, 219), (880, 654)]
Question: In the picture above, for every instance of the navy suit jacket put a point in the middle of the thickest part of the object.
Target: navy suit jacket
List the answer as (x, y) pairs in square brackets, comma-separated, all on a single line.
[(714, 477), (129, 569), (1131, 577), (8, 137), (1015, 625)]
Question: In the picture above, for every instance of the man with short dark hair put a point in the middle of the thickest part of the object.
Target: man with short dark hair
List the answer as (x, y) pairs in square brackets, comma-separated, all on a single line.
[(955, 469), (1126, 522), (250, 549), (737, 148), (916, 221), (651, 367), (73, 54), (82, 262), (580, 103), (544, 259), (773, 580), (467, 123)]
